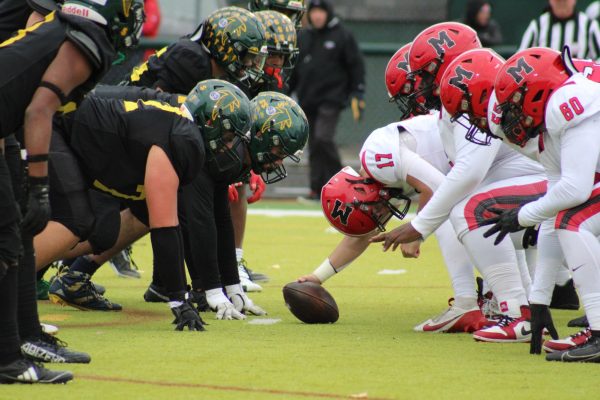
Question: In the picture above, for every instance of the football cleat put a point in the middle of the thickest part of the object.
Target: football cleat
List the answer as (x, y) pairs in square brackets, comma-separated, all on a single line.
[(507, 330), (27, 371), (123, 264), (455, 320), (50, 349), (581, 322), (246, 282), (49, 329), (587, 352), (254, 276), (576, 339), (156, 294), (74, 288), (565, 297), (41, 288)]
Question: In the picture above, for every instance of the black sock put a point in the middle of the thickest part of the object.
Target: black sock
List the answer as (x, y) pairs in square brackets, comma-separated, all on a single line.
[(10, 345), (29, 321), (596, 333), (85, 265), (40, 274)]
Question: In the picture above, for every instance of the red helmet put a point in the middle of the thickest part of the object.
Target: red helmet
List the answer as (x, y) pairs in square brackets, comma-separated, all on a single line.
[(433, 50), (465, 90), (399, 87), (523, 86), (355, 205)]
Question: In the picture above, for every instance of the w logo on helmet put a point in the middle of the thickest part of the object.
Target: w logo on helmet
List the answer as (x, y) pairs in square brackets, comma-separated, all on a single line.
[(459, 78), (403, 65), (276, 114), (126, 7), (439, 42), (343, 215), (517, 71)]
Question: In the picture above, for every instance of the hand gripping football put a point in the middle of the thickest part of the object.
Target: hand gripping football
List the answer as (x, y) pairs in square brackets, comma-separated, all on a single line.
[(310, 303)]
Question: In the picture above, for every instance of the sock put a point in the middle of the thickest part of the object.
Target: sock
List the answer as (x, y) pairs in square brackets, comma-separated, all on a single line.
[(10, 345), (562, 277), (239, 254), (27, 313), (466, 303), (40, 274), (85, 265)]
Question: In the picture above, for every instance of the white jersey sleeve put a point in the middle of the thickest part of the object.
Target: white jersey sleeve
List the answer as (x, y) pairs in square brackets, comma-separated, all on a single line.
[(471, 164), (572, 117)]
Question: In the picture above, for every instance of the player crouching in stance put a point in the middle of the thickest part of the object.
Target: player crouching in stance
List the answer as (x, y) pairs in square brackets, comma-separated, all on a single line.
[(544, 100)]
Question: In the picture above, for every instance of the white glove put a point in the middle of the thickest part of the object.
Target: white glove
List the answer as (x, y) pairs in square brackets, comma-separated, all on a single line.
[(219, 303), (241, 302)]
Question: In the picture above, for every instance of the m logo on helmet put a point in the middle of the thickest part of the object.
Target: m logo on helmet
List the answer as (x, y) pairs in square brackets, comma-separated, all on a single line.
[(517, 71), (439, 42), (343, 215), (459, 79), (403, 65)]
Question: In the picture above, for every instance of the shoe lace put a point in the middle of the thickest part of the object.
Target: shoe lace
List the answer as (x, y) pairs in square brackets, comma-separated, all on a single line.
[(585, 332), (505, 320), (128, 252), (51, 340), (89, 286)]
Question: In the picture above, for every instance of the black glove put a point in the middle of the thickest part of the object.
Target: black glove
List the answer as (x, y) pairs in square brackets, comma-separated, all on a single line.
[(187, 315), (38, 206), (530, 236), (540, 319), (505, 223)]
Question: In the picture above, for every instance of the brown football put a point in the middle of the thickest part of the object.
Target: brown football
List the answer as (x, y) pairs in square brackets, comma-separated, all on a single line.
[(310, 303)]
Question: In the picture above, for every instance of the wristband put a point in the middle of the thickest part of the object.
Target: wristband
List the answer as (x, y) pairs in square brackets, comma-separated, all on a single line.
[(324, 271)]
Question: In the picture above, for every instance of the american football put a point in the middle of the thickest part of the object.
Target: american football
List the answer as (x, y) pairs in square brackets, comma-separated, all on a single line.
[(310, 303)]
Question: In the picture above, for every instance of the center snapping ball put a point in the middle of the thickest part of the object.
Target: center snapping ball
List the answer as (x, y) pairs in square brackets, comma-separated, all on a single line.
[(310, 303)]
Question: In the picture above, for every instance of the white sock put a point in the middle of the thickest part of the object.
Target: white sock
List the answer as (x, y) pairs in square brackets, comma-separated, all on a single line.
[(239, 254), (524, 270)]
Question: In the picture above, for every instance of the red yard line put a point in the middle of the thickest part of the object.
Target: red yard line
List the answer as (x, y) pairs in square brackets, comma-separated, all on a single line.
[(220, 388)]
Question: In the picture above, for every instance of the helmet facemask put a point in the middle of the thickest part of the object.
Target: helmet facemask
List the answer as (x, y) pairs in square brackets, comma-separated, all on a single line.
[(475, 126), (516, 125), (223, 139), (427, 88), (248, 65)]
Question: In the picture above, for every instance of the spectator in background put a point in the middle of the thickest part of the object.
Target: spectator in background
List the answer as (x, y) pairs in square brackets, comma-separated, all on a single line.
[(478, 16), (329, 74), (561, 24)]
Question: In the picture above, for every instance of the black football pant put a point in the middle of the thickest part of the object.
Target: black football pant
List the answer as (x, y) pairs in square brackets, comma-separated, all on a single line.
[(324, 159)]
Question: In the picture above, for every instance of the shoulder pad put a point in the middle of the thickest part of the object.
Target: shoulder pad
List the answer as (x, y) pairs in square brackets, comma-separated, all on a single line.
[(43, 7), (87, 45)]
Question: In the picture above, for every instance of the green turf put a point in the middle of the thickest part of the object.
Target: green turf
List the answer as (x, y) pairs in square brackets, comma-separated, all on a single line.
[(371, 349)]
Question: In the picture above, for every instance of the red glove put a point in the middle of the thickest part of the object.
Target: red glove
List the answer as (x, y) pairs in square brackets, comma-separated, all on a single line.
[(258, 187), (233, 193)]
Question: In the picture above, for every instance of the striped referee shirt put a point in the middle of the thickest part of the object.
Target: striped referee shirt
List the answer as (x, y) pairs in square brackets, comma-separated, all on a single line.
[(579, 32)]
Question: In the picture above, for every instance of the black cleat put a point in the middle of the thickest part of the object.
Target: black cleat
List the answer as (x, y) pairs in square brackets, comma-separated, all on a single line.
[(156, 294), (254, 276), (581, 322), (565, 297), (50, 349), (74, 288), (124, 266), (588, 352), (27, 371)]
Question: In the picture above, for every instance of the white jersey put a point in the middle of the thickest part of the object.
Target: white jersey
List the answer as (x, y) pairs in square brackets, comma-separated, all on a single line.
[(569, 149), (473, 166), (411, 147)]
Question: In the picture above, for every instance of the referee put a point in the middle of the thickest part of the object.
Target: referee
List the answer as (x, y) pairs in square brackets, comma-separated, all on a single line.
[(562, 25)]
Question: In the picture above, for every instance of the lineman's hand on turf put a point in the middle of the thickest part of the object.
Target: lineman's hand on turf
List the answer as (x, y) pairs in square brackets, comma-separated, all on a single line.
[(403, 234), (257, 186), (187, 316), (227, 311), (540, 319), (505, 223), (412, 249), (38, 205), (309, 278), (241, 302)]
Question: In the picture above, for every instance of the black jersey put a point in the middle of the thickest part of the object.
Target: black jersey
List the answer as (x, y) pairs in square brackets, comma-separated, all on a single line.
[(134, 93), (25, 57), (112, 139), (176, 68)]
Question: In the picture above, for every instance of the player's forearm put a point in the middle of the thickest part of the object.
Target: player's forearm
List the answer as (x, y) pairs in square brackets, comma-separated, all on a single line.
[(348, 250)]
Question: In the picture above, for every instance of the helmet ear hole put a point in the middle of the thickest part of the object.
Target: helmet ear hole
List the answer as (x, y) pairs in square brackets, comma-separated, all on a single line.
[(538, 96)]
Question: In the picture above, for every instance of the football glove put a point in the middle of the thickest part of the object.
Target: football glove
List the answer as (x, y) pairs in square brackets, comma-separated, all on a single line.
[(187, 316), (540, 319), (241, 302), (233, 193), (530, 236), (258, 187), (505, 223), (38, 205), (358, 106), (219, 303)]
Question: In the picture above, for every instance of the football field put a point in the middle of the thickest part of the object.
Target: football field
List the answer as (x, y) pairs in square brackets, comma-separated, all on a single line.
[(371, 352)]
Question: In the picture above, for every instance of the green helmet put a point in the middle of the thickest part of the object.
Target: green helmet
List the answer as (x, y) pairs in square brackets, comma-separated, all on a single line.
[(222, 111), (236, 40), (281, 40), (122, 19), (279, 130), (294, 9)]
